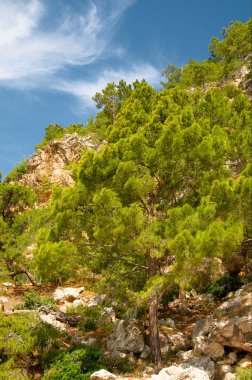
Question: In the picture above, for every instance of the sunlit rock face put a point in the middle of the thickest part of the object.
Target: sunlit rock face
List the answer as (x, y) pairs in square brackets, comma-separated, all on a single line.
[(49, 163)]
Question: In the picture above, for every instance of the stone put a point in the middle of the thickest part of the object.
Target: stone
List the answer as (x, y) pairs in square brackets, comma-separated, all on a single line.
[(229, 325), (232, 355), (4, 299), (50, 161), (51, 320), (205, 363), (223, 370), (68, 294), (181, 372), (214, 349), (108, 312), (172, 342), (168, 322), (186, 355), (146, 352), (148, 370), (77, 303), (246, 362), (96, 300), (7, 284), (71, 294), (127, 337), (102, 374), (229, 376), (58, 295), (200, 344)]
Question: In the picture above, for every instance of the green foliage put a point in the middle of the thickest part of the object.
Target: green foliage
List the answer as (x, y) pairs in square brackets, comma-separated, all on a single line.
[(55, 261), (16, 338), (14, 198), (227, 55), (115, 363), (243, 373), (17, 172), (32, 301), (224, 285), (77, 363), (87, 325), (172, 75), (22, 336)]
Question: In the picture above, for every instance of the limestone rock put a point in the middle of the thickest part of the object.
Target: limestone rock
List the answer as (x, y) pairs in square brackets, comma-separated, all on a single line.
[(48, 163), (103, 375), (3, 299), (173, 342), (127, 337), (146, 352), (204, 363), (230, 325), (181, 372), (168, 322), (8, 284), (51, 320), (68, 294)]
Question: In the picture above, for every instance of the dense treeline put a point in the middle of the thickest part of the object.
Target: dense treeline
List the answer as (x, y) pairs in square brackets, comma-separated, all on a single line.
[(164, 204)]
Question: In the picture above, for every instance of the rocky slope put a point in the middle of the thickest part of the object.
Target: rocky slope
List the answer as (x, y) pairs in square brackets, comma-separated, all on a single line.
[(49, 163), (202, 338)]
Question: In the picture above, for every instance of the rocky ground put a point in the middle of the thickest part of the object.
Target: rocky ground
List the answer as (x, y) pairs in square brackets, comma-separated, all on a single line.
[(201, 338)]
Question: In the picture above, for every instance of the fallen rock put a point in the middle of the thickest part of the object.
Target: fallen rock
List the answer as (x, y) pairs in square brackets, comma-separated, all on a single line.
[(51, 320), (184, 372), (127, 337), (146, 352), (168, 322), (103, 375), (204, 363), (173, 342), (68, 294)]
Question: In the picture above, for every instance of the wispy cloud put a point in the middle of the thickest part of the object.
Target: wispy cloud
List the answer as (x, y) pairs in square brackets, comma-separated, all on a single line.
[(40, 49), (84, 90), (30, 52)]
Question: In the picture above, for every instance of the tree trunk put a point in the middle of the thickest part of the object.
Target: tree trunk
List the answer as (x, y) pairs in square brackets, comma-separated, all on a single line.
[(154, 334), (153, 312)]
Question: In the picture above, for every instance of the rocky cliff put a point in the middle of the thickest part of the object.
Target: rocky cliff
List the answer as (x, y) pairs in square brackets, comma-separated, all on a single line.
[(50, 163)]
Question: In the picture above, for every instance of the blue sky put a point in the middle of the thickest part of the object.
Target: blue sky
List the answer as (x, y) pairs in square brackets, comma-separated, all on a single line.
[(54, 56)]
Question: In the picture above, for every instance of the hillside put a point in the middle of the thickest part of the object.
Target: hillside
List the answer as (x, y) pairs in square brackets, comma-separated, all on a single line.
[(126, 244)]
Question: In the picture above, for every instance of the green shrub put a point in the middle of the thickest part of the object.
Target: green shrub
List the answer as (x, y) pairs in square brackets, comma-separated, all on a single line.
[(88, 325), (116, 363), (77, 364), (224, 285), (32, 301), (243, 373)]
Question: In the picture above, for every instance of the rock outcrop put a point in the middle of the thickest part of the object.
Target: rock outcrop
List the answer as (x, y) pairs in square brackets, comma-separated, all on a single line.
[(127, 337), (48, 163), (229, 326)]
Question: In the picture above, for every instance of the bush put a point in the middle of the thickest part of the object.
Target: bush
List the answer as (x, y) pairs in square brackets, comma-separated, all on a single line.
[(32, 300), (77, 364), (116, 363), (224, 285), (243, 373), (88, 325)]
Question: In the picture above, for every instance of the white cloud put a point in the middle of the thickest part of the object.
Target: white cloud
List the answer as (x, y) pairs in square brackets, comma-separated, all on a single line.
[(85, 90), (37, 46), (31, 53)]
